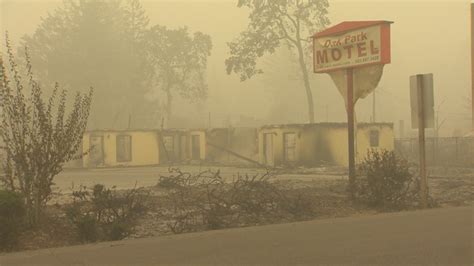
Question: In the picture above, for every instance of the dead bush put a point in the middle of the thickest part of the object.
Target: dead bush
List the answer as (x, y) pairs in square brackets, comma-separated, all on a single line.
[(207, 201), (12, 215), (299, 203), (102, 213), (386, 181)]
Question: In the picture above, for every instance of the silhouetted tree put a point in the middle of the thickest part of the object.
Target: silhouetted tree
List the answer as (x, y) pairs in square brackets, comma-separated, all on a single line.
[(95, 43), (273, 23), (38, 135), (179, 61)]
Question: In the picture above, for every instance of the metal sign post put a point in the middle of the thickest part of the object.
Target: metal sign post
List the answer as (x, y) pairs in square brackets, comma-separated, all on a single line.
[(350, 125), (421, 142), (422, 102), (350, 49), (472, 64)]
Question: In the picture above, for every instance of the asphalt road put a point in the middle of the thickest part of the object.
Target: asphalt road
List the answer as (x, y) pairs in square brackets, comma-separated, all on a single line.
[(432, 237)]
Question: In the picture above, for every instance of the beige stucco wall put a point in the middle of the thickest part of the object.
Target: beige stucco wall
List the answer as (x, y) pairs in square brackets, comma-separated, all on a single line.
[(386, 140), (278, 143), (144, 148), (334, 142), (242, 141), (335, 138), (324, 143), (174, 154), (202, 142)]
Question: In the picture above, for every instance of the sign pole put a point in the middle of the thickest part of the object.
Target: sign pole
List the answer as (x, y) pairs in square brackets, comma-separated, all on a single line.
[(350, 125), (472, 64), (421, 140), (345, 46)]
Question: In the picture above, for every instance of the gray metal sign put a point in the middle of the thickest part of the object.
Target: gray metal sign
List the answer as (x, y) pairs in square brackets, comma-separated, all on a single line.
[(421, 93)]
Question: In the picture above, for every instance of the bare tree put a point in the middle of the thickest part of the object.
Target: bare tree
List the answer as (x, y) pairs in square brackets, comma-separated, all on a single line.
[(179, 62), (39, 136), (273, 23)]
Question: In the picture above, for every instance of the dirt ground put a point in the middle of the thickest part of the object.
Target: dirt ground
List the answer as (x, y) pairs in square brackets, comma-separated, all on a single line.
[(454, 187), (448, 187), (127, 178)]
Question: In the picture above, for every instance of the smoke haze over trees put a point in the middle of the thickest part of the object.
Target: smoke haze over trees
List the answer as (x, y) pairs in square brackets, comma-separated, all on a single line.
[(103, 43), (178, 61), (95, 43), (447, 57), (273, 23)]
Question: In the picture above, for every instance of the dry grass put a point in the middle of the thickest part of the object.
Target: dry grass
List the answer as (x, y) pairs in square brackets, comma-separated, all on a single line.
[(328, 195)]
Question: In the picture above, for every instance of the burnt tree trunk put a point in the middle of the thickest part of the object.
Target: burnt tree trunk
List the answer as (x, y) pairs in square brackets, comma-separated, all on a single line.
[(169, 102), (307, 86)]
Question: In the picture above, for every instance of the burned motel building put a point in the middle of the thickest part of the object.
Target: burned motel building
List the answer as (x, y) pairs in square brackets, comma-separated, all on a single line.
[(286, 145), (113, 148), (320, 144)]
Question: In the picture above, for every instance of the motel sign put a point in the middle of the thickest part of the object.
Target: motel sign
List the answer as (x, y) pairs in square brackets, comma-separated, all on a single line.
[(352, 44), (351, 49)]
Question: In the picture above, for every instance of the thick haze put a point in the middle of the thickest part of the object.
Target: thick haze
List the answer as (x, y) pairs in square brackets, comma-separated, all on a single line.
[(427, 37)]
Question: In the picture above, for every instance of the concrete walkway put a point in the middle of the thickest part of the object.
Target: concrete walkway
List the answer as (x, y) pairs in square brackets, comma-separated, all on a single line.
[(432, 237)]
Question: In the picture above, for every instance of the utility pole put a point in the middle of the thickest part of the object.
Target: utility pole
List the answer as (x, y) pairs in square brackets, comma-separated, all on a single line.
[(209, 119), (373, 107), (401, 129), (472, 63), (327, 113), (438, 124)]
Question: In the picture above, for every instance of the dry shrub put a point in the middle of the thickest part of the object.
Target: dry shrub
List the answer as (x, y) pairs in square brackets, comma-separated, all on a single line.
[(38, 134), (102, 213), (205, 200), (12, 214), (386, 182)]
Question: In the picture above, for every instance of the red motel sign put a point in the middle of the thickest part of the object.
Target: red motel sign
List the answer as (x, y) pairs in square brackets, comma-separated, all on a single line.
[(351, 44)]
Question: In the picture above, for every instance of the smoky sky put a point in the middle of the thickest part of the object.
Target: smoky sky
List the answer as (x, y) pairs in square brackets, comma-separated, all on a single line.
[(426, 37)]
